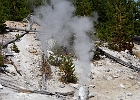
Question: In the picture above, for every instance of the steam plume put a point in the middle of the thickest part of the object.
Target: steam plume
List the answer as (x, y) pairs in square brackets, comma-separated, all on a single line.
[(58, 23)]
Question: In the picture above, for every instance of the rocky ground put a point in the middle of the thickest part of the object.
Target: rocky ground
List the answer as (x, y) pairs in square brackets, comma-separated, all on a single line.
[(108, 80)]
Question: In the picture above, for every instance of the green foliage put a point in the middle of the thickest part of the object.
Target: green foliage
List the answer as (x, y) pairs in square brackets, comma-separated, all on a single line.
[(117, 20), (83, 7), (137, 17), (2, 27), (16, 10), (66, 66), (54, 60), (31, 4), (17, 37), (63, 50), (15, 48), (57, 49)]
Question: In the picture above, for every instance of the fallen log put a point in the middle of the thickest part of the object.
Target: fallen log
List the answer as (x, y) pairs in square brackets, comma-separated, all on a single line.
[(20, 29), (16, 68), (102, 52), (7, 83), (9, 55), (66, 94), (4, 45)]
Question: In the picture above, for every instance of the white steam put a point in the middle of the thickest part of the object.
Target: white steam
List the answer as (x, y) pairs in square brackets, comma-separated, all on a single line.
[(58, 23)]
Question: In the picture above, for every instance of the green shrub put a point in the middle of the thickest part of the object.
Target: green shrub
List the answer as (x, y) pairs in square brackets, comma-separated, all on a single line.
[(2, 27), (17, 36), (15, 48), (61, 50), (66, 67), (54, 60)]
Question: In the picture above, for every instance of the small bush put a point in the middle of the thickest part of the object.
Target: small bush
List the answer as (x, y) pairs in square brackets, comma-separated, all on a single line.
[(2, 27), (61, 50), (66, 66), (17, 36), (54, 60), (15, 48), (122, 46)]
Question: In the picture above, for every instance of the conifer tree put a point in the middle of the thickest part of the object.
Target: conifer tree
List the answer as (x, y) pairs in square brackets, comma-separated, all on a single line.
[(83, 7), (117, 23), (137, 17)]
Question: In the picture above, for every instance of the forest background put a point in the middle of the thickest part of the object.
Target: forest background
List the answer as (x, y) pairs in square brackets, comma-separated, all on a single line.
[(118, 20)]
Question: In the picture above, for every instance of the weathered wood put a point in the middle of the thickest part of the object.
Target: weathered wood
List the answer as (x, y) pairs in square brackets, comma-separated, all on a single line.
[(9, 55), (16, 68), (20, 29), (9, 84), (102, 52), (4, 45), (66, 94)]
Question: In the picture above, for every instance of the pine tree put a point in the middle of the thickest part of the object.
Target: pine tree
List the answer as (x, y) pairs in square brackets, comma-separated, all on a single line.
[(137, 17), (116, 23), (83, 7), (67, 68)]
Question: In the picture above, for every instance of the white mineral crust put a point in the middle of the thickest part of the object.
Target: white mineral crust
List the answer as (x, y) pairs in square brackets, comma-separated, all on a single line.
[(83, 92), (1, 87)]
